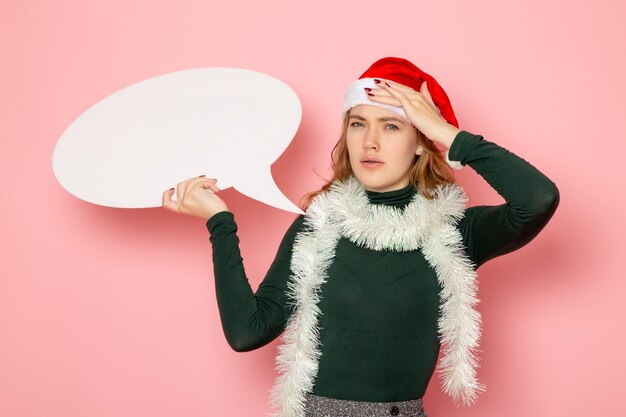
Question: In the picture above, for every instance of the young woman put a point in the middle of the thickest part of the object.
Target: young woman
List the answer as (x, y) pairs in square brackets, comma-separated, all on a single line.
[(381, 270)]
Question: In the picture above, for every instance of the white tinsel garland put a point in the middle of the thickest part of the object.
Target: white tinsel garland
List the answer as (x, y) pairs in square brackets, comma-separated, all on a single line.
[(344, 210)]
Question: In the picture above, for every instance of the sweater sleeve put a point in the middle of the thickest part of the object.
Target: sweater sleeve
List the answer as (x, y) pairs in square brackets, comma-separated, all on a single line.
[(531, 199), (249, 320)]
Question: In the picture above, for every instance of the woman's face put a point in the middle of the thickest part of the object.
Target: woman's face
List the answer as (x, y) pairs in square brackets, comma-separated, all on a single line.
[(377, 133)]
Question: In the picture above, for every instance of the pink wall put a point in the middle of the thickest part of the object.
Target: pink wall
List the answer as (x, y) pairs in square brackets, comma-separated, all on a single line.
[(112, 312)]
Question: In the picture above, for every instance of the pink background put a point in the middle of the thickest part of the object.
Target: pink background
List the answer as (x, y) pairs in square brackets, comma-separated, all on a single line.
[(112, 312)]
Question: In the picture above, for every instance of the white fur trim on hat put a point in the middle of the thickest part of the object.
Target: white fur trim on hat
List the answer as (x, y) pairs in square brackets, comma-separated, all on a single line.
[(356, 95)]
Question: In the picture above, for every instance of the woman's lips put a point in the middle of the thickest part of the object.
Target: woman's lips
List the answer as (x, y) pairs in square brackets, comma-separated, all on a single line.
[(372, 164)]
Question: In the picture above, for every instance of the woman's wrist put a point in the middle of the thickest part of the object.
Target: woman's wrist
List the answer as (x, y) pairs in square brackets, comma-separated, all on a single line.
[(447, 134), (214, 213)]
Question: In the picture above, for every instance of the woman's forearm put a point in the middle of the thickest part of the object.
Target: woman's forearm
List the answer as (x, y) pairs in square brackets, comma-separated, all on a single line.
[(249, 320)]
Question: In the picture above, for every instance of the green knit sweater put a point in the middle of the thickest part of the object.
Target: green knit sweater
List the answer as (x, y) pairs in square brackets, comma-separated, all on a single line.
[(378, 331)]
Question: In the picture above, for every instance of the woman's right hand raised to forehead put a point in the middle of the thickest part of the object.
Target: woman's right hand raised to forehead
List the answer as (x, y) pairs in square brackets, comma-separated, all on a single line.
[(196, 197)]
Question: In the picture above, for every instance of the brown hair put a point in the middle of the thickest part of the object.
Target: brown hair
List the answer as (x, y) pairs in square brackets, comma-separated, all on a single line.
[(427, 171)]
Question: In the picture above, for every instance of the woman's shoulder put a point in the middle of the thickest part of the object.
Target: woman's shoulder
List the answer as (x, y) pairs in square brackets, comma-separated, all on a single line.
[(296, 226)]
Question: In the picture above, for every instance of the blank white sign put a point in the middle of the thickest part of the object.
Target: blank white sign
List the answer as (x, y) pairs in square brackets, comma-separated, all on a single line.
[(228, 123)]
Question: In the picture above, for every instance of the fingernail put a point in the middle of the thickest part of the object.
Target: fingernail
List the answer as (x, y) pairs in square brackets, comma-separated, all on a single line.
[(377, 81), (370, 94), (367, 89), (171, 188), (387, 85), (201, 175)]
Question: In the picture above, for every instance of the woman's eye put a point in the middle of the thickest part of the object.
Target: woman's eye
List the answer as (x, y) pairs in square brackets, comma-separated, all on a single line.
[(394, 127)]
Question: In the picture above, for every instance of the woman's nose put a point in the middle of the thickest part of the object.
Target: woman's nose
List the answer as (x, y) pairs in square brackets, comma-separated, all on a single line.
[(371, 139)]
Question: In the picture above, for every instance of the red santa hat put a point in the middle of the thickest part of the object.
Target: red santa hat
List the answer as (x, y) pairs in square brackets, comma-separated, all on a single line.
[(406, 73)]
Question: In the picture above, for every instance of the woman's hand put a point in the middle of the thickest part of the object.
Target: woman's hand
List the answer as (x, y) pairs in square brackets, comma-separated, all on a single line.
[(195, 196), (419, 108)]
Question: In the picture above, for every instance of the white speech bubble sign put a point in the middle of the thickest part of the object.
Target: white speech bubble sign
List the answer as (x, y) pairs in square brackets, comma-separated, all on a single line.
[(228, 123)]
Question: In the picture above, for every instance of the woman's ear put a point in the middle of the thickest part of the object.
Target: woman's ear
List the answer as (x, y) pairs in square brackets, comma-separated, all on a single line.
[(419, 150)]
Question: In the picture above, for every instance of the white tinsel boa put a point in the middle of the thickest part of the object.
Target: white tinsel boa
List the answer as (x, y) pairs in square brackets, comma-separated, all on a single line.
[(344, 210)]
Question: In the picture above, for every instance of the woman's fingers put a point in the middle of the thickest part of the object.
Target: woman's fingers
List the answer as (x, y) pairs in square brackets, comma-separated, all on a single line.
[(414, 97), (206, 183), (210, 186), (382, 96), (399, 95), (196, 196), (424, 90), (167, 201), (397, 86), (213, 186), (385, 94), (182, 190), (411, 94)]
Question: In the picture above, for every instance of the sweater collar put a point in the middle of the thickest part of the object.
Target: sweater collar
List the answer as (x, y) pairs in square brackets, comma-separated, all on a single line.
[(395, 198)]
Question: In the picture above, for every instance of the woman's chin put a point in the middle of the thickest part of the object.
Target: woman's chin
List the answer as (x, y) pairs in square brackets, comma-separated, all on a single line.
[(376, 182), (370, 182)]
